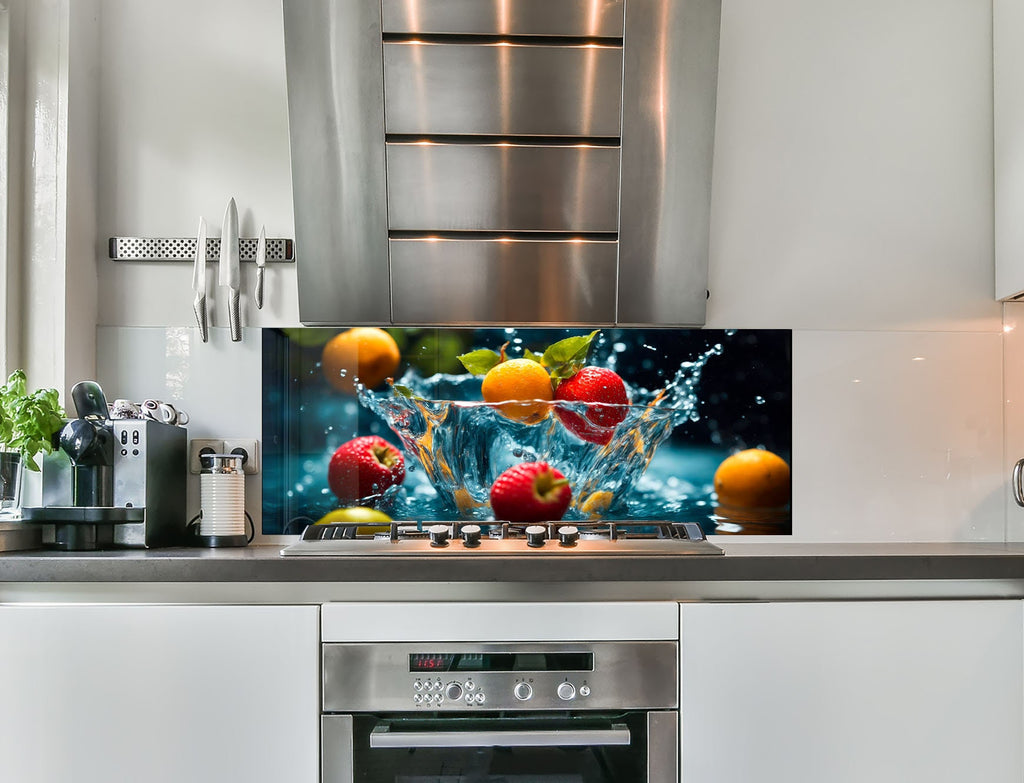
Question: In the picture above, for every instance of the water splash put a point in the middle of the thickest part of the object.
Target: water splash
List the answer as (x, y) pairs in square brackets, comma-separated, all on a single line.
[(463, 444)]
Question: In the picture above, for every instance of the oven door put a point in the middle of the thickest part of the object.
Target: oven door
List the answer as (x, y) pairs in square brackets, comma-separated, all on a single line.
[(630, 747)]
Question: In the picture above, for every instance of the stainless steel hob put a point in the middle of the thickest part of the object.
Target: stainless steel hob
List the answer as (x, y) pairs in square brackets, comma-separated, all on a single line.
[(467, 539)]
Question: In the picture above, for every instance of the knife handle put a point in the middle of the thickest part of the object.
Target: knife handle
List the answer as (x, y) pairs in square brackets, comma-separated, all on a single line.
[(234, 319), (258, 294), (199, 306)]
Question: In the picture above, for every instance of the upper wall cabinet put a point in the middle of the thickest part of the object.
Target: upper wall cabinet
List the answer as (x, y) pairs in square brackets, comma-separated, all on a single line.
[(502, 161), (1008, 102)]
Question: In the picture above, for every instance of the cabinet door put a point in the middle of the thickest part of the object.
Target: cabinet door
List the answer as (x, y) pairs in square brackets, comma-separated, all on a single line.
[(161, 694), (1008, 150), (882, 691)]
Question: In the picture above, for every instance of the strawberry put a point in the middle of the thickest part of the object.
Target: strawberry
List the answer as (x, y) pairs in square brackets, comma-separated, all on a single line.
[(530, 492), (363, 467), (593, 385)]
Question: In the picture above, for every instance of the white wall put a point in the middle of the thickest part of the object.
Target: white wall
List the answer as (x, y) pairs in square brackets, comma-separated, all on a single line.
[(852, 203)]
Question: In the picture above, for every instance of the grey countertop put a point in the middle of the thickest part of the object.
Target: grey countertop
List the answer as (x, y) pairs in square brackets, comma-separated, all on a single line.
[(743, 562)]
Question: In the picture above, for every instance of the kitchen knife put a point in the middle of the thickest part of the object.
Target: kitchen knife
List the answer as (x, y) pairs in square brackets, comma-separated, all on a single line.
[(261, 262), (229, 274), (199, 281)]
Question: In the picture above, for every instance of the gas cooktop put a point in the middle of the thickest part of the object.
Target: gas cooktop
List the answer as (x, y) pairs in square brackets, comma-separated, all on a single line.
[(634, 538)]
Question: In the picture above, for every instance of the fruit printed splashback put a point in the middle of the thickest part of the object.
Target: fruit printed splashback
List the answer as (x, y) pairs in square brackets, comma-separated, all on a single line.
[(528, 425)]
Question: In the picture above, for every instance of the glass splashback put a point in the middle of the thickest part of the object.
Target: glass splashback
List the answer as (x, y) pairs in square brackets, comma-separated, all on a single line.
[(705, 437)]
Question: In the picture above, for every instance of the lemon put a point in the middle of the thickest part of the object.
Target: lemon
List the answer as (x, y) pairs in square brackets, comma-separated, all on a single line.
[(753, 478), (597, 503), (360, 514)]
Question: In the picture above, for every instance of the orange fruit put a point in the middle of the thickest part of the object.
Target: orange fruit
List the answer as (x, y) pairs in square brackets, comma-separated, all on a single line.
[(365, 353), (754, 478), (515, 381)]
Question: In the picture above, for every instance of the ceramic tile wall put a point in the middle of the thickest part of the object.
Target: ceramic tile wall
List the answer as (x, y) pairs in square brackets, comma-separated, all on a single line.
[(852, 203)]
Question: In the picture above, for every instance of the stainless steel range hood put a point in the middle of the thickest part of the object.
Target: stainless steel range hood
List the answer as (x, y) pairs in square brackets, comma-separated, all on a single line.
[(502, 161)]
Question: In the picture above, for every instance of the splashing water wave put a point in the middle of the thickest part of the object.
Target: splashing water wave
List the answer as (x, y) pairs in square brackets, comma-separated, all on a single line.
[(463, 444)]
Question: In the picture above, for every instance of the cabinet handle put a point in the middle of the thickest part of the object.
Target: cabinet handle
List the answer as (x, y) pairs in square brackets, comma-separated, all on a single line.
[(1018, 486)]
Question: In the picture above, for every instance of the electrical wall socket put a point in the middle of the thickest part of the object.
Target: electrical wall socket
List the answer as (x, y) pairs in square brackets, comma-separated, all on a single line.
[(249, 448), (198, 446)]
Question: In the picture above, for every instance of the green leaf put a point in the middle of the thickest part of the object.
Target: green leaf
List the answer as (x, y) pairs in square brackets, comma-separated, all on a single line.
[(479, 362), (402, 391), (28, 422), (566, 357), (533, 357)]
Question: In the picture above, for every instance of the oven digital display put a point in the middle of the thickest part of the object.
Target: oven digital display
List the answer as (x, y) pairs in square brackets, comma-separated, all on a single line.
[(502, 662)]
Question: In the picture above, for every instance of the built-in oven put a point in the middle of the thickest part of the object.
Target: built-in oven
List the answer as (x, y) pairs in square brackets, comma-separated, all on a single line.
[(515, 712), (497, 690)]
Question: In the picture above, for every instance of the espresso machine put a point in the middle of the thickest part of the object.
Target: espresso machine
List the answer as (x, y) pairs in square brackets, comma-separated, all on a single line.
[(112, 482)]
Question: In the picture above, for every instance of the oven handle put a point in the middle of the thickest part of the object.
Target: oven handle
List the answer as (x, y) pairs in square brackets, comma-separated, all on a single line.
[(383, 737)]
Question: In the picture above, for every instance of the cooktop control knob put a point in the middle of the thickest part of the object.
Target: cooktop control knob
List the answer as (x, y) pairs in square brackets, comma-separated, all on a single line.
[(470, 535), (535, 535), (438, 535), (522, 691), (568, 535), (566, 691), (453, 691)]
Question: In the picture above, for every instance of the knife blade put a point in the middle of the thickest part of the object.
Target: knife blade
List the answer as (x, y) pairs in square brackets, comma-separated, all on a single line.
[(261, 262), (229, 272), (199, 281)]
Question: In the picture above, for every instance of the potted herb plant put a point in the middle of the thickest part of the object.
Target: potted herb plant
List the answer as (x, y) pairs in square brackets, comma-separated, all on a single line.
[(28, 423)]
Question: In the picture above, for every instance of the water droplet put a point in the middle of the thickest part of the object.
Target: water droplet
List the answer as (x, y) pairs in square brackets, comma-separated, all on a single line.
[(759, 400)]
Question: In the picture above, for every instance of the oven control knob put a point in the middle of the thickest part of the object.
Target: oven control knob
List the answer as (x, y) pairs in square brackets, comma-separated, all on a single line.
[(568, 535), (438, 535), (470, 535), (535, 535), (584, 690), (453, 691), (522, 691), (566, 691)]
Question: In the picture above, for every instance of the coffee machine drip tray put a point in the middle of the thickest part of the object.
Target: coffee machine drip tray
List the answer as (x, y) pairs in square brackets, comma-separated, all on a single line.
[(78, 528), (91, 515)]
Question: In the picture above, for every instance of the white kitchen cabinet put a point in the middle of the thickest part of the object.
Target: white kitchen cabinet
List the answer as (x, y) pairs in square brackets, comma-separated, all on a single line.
[(887, 692), (160, 694), (1008, 151)]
